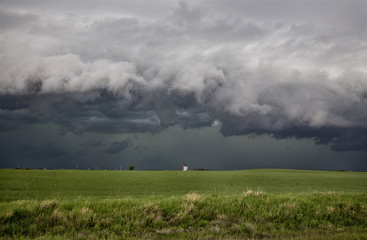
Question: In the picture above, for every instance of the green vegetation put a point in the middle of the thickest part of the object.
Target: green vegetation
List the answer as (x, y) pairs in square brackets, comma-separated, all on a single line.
[(192, 216), (288, 204), (69, 184)]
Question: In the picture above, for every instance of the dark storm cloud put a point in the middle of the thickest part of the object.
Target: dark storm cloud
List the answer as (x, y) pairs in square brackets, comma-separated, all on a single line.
[(47, 155), (141, 148), (284, 68), (94, 144), (117, 147), (49, 151), (339, 139)]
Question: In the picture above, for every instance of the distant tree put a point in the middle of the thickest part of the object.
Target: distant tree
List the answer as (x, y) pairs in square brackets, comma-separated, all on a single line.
[(132, 167)]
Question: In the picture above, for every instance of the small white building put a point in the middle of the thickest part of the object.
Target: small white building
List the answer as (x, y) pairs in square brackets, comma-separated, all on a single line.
[(185, 167)]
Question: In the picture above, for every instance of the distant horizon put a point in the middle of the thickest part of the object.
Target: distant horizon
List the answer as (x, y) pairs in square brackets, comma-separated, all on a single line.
[(200, 169)]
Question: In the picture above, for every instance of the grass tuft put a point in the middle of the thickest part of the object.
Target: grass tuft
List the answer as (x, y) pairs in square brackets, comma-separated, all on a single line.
[(257, 193)]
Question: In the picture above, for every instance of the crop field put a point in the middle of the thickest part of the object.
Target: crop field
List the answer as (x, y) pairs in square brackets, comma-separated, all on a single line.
[(246, 204)]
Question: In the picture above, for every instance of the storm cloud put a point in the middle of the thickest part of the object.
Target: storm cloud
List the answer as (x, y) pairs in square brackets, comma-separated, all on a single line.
[(117, 147), (289, 69)]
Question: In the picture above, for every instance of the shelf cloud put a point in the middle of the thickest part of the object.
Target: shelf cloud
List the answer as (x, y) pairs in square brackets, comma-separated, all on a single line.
[(283, 68)]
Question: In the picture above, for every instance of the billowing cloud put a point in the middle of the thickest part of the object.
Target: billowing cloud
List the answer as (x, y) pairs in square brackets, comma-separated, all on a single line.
[(285, 72)]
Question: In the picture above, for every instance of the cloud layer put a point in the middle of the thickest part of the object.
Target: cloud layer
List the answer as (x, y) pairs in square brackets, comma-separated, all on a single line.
[(292, 71)]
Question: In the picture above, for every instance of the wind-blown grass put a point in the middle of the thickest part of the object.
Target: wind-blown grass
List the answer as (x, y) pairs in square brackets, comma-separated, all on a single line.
[(250, 215), (250, 204)]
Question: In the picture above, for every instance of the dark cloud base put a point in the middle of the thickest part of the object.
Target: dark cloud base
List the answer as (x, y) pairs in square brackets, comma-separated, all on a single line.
[(103, 112), (42, 146), (339, 139)]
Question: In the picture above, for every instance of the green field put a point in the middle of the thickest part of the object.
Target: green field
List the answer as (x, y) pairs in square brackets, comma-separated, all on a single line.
[(63, 184), (258, 204)]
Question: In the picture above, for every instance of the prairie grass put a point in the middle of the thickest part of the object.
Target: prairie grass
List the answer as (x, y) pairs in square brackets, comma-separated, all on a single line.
[(248, 216), (247, 204), (72, 184)]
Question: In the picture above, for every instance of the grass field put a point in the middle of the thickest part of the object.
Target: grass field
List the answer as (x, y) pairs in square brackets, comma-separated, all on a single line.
[(285, 204), (64, 184)]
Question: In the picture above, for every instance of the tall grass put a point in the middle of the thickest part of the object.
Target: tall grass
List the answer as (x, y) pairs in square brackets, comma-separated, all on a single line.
[(253, 214)]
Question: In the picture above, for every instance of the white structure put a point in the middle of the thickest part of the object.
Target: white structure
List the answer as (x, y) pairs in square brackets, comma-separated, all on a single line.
[(185, 167)]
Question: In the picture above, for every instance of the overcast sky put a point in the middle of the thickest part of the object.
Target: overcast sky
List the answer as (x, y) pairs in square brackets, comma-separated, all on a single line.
[(217, 84)]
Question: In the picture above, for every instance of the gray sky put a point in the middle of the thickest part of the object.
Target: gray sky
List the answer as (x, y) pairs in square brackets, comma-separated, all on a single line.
[(217, 84)]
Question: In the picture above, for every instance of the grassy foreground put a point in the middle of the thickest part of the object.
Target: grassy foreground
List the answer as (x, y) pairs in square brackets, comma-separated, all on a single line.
[(67, 204), (193, 216)]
